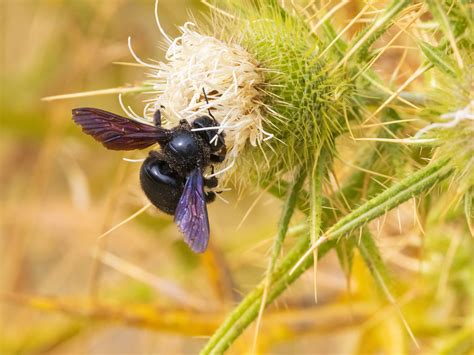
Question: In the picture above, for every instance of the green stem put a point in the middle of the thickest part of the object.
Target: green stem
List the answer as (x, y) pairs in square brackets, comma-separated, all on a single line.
[(287, 213), (377, 97), (377, 28), (316, 208), (246, 312), (390, 198)]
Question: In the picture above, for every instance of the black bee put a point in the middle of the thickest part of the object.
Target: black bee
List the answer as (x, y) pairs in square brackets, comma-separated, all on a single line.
[(172, 178)]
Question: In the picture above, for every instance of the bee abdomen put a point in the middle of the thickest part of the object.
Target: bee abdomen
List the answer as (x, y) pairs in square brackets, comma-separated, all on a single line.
[(161, 184)]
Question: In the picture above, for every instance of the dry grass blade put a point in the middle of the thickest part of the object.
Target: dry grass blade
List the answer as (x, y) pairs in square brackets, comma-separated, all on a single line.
[(165, 287), (420, 71), (119, 90), (177, 321)]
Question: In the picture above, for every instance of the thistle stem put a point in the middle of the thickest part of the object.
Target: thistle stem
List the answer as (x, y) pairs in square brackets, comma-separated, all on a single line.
[(246, 312), (299, 259), (416, 98), (373, 260), (390, 198), (287, 213), (316, 210), (409, 187)]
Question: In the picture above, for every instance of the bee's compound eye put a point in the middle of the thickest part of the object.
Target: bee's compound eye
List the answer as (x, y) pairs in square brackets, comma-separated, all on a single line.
[(203, 122), (209, 135)]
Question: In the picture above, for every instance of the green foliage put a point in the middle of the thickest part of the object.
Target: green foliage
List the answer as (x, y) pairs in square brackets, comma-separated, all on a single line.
[(307, 94), (439, 59), (323, 91), (372, 32), (305, 104)]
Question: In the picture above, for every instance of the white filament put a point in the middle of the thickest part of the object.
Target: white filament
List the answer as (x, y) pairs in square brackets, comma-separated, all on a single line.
[(133, 160), (136, 57), (157, 19), (231, 79), (454, 118)]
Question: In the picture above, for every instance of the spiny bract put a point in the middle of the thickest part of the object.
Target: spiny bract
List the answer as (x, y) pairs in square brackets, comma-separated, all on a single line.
[(267, 85)]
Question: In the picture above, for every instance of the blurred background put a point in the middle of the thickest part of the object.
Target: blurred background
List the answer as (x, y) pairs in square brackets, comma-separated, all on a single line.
[(140, 290), (60, 190)]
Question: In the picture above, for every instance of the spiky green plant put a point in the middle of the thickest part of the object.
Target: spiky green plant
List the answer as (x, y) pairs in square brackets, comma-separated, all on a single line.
[(313, 91), (305, 103), (317, 88)]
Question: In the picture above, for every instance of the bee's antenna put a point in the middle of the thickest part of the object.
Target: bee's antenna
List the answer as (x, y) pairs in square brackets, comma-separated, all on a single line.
[(208, 109)]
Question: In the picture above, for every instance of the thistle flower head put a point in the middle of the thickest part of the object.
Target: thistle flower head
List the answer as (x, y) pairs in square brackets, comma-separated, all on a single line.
[(267, 84), (229, 76), (452, 110), (455, 134)]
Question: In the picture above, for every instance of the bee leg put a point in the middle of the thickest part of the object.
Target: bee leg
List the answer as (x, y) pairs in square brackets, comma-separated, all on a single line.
[(217, 158), (210, 196), (211, 182), (157, 118)]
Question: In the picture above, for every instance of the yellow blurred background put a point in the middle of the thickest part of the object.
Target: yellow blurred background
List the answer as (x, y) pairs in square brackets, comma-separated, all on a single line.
[(64, 290), (60, 190)]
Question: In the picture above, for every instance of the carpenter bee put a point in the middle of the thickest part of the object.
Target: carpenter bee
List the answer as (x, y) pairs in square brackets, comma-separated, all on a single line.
[(172, 178)]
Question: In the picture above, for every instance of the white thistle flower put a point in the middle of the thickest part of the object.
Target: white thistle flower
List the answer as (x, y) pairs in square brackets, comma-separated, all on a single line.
[(231, 79), (452, 119)]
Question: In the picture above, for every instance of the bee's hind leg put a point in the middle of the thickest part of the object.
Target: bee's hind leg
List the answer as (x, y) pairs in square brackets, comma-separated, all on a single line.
[(211, 182), (157, 117), (210, 196)]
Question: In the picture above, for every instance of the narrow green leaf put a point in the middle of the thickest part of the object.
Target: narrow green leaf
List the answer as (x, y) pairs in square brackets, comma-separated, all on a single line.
[(440, 14), (438, 58), (372, 259), (345, 254), (391, 197), (377, 28), (316, 206)]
